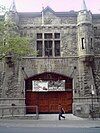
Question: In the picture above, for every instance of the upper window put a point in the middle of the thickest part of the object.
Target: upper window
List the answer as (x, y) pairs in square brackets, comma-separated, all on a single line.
[(39, 35), (57, 35), (91, 43), (48, 48), (47, 35), (48, 44), (57, 48), (83, 43), (39, 48)]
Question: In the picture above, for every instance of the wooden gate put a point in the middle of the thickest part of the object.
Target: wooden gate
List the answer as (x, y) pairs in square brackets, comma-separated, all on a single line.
[(48, 102)]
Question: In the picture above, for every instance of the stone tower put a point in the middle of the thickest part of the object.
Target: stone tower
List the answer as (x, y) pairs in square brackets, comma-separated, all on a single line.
[(85, 32), (86, 57), (85, 45)]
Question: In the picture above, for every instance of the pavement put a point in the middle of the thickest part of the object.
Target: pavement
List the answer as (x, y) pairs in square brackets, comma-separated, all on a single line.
[(51, 120)]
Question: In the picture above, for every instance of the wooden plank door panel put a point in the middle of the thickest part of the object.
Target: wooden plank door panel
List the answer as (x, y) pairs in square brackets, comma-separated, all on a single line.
[(48, 102)]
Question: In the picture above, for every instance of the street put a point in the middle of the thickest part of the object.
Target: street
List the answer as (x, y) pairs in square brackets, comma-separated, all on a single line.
[(49, 126), (48, 130)]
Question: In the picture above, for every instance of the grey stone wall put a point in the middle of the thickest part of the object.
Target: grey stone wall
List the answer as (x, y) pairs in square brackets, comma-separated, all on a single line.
[(12, 79), (63, 66)]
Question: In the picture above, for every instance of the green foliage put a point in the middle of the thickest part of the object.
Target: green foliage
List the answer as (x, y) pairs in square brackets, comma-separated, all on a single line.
[(11, 42)]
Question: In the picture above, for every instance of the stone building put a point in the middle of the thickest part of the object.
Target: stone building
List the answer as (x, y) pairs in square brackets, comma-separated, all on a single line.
[(66, 69)]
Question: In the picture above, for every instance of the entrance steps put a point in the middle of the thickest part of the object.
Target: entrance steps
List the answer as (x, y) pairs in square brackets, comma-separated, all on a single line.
[(55, 117)]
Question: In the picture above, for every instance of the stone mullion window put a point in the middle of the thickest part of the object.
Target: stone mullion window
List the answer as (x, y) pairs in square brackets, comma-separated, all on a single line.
[(48, 44), (56, 44), (39, 48), (57, 35), (48, 48), (39, 44), (43, 46), (53, 47), (57, 48)]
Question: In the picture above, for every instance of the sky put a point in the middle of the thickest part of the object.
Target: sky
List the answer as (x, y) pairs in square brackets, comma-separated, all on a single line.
[(56, 5)]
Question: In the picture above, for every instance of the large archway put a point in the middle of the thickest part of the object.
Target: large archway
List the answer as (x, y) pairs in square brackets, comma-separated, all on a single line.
[(57, 89)]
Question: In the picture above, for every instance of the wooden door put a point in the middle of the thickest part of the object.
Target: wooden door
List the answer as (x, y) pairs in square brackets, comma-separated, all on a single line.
[(48, 102)]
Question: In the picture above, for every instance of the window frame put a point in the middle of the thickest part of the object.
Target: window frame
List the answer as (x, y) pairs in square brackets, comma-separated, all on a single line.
[(83, 42), (47, 39)]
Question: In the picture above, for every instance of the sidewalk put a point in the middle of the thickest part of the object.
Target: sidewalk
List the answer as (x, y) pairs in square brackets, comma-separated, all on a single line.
[(55, 117), (70, 121)]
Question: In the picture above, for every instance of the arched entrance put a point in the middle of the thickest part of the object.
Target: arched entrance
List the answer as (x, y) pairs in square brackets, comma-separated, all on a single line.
[(47, 90)]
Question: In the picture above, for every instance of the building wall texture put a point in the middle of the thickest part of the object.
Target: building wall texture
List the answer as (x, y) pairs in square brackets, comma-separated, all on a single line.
[(81, 64)]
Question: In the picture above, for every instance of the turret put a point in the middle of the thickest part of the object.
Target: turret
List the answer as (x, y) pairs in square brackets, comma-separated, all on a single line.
[(12, 14), (85, 33)]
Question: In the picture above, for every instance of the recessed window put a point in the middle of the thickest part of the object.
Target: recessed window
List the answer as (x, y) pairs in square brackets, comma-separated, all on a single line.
[(57, 48), (48, 48), (47, 35), (83, 43), (91, 43), (39, 48), (39, 35), (57, 35), (48, 44)]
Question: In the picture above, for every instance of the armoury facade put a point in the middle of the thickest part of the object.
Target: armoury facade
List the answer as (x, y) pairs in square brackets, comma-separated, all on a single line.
[(68, 61)]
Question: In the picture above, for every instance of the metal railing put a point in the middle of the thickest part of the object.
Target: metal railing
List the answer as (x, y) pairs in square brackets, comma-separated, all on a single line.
[(12, 111)]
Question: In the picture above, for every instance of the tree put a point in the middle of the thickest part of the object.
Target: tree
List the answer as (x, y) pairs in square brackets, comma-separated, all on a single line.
[(12, 49), (11, 43)]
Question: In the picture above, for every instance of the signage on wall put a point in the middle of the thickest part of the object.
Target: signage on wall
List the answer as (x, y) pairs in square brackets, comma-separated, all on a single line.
[(40, 86)]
